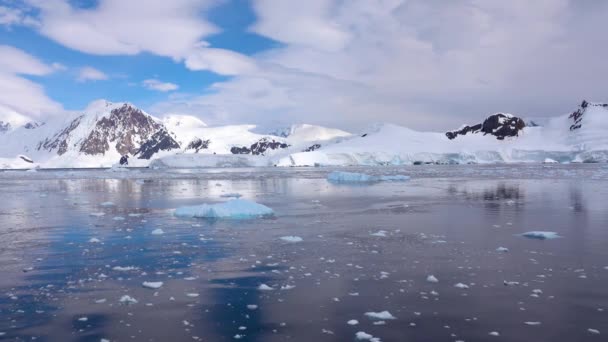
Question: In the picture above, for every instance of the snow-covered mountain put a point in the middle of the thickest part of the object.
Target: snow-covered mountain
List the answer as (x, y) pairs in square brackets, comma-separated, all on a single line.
[(104, 132)]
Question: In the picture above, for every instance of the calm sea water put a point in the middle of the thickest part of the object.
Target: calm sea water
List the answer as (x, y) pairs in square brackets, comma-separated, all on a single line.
[(67, 260)]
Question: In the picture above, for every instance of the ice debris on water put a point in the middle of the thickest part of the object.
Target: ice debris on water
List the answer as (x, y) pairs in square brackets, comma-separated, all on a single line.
[(461, 286), (158, 231), (502, 249), (264, 287), (352, 322), (152, 284), (380, 315), (354, 177), (540, 235), (292, 239), (432, 279), (126, 299), (363, 336), (233, 209), (94, 240)]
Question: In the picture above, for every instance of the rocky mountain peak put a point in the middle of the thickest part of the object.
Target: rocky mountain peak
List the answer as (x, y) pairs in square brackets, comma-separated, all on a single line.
[(500, 125), (5, 126), (577, 115)]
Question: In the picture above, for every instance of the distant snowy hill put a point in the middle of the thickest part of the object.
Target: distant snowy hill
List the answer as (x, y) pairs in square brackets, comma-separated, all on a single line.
[(105, 131), (102, 133)]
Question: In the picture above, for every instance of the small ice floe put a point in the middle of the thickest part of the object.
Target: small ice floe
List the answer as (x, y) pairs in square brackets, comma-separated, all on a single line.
[(127, 300), (352, 322), (233, 209), (382, 315), (118, 218), (380, 233), (124, 268), (83, 319), (549, 161), (291, 239), (593, 331), (252, 306), (264, 287), (354, 177), (363, 336), (540, 235), (432, 279), (510, 283), (157, 231), (94, 240), (192, 295), (107, 204), (288, 287), (502, 249), (461, 286), (99, 214), (135, 215), (152, 284), (494, 333), (532, 323)]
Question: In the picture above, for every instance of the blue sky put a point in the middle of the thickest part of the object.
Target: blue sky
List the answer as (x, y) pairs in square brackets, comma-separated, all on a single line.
[(429, 65), (126, 73)]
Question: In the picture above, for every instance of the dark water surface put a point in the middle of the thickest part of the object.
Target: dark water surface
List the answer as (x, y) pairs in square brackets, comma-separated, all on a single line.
[(58, 284)]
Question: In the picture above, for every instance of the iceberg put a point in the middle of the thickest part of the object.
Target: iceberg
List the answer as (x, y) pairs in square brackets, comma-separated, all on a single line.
[(233, 209), (354, 177)]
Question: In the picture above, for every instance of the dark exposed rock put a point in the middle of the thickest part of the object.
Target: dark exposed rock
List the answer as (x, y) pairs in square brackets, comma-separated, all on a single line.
[(363, 135), (313, 148), (32, 125), (577, 116), (59, 141), (160, 141), (198, 144), (499, 125), (4, 126), (126, 127), (124, 160), (26, 159), (259, 147)]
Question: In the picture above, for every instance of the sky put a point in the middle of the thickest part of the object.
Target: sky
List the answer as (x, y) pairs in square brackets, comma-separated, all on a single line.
[(424, 64)]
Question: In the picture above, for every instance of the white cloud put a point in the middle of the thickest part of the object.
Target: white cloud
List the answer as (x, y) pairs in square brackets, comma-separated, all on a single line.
[(90, 74), (159, 86), (18, 95), (425, 64), (221, 61)]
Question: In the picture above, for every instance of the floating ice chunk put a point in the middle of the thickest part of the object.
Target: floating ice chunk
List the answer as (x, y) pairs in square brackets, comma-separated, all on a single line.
[(396, 178), (288, 287), (233, 209), (352, 322), (510, 283), (192, 295), (380, 315), (264, 287), (118, 218), (431, 279), (550, 161), (152, 284), (494, 333), (380, 233), (350, 177), (355, 177), (292, 239), (461, 286), (94, 240), (100, 214), (158, 231), (593, 331), (126, 299), (107, 204), (502, 249), (83, 319), (532, 323), (540, 235), (363, 336), (252, 306), (124, 268)]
